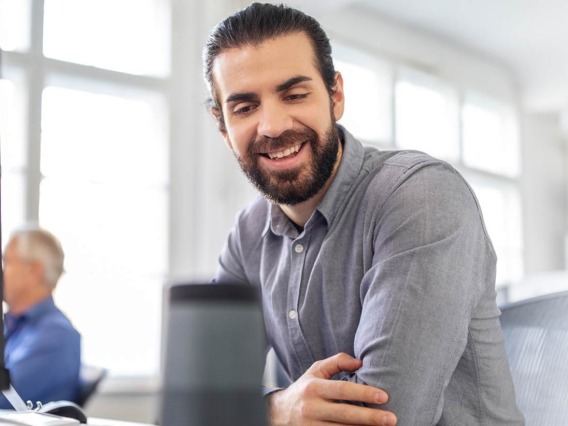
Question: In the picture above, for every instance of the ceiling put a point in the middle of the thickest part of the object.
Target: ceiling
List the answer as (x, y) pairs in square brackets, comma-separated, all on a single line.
[(530, 37)]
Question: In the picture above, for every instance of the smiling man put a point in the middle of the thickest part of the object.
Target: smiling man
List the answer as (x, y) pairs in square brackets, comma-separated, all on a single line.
[(376, 273), (291, 153)]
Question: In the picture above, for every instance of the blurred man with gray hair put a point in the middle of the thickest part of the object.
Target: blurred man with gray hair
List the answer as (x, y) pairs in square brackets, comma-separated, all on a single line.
[(43, 349)]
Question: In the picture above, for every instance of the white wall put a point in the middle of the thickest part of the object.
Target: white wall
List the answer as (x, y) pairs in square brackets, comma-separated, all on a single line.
[(207, 187), (544, 189), (132, 402), (409, 46), (545, 206)]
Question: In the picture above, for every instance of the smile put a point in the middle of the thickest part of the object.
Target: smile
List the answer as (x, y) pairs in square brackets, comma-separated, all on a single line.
[(285, 153)]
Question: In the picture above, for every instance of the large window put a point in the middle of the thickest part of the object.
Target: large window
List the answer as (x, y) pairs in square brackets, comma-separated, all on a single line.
[(12, 151), (427, 114), (368, 95), (101, 38), (490, 135), (476, 132), (15, 24), (84, 151)]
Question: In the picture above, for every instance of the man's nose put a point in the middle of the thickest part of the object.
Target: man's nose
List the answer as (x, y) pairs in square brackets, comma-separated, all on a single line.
[(274, 120)]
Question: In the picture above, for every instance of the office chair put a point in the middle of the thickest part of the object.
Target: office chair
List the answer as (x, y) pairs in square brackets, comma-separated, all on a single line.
[(536, 339), (90, 377)]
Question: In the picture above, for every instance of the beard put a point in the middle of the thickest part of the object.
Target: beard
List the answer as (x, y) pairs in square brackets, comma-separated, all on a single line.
[(296, 185)]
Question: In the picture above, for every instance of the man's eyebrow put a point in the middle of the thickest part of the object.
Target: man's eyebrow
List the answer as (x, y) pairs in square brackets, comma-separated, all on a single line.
[(241, 97), (251, 96), (292, 82)]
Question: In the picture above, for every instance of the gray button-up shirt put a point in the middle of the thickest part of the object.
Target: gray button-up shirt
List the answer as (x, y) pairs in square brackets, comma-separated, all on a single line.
[(394, 267)]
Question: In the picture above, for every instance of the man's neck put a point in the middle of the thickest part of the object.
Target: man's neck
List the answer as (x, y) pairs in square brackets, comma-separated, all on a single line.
[(300, 213), (23, 306)]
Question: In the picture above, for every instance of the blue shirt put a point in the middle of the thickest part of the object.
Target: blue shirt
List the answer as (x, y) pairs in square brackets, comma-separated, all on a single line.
[(42, 354), (394, 267)]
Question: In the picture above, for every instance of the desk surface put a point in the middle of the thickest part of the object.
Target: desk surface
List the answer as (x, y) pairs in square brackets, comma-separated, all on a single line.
[(96, 421), (11, 418)]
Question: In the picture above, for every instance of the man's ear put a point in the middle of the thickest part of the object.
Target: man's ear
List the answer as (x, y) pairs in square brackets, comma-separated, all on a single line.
[(218, 116), (338, 97), (37, 268)]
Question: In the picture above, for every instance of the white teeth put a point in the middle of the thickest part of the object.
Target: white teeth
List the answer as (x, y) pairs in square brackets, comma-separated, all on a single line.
[(285, 153)]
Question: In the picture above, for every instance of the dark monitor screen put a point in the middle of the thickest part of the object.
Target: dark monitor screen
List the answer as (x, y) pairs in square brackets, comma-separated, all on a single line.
[(4, 377)]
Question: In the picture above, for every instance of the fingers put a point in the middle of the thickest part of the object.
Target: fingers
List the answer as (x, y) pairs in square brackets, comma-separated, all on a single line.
[(356, 415), (342, 414), (314, 399), (337, 390), (329, 367), (342, 390), (309, 408)]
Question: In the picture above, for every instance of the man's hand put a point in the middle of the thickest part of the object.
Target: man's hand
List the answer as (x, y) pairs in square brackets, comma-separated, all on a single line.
[(313, 398)]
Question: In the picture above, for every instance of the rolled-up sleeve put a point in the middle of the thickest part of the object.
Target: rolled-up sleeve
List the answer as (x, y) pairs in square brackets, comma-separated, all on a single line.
[(432, 263)]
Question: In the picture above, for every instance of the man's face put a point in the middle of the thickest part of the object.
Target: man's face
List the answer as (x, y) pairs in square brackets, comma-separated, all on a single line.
[(18, 274), (279, 117)]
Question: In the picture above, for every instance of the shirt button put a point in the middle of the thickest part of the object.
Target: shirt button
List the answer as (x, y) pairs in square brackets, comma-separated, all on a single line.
[(293, 314), (299, 248)]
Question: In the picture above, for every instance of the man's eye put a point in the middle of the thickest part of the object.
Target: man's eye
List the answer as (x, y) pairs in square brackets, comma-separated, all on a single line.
[(296, 96), (243, 109)]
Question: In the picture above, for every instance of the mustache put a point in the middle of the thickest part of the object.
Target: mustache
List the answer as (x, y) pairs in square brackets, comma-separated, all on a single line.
[(286, 139)]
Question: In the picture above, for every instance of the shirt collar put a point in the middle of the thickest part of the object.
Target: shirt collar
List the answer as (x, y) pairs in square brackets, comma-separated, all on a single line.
[(346, 176), (279, 223), (35, 311)]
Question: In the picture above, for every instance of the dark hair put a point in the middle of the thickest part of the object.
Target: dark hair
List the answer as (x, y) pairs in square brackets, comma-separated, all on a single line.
[(257, 23)]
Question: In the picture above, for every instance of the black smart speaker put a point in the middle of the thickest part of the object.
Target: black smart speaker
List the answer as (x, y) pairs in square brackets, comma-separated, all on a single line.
[(213, 356)]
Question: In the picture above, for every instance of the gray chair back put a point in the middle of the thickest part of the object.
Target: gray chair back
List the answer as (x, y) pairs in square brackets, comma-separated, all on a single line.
[(91, 377), (536, 339)]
